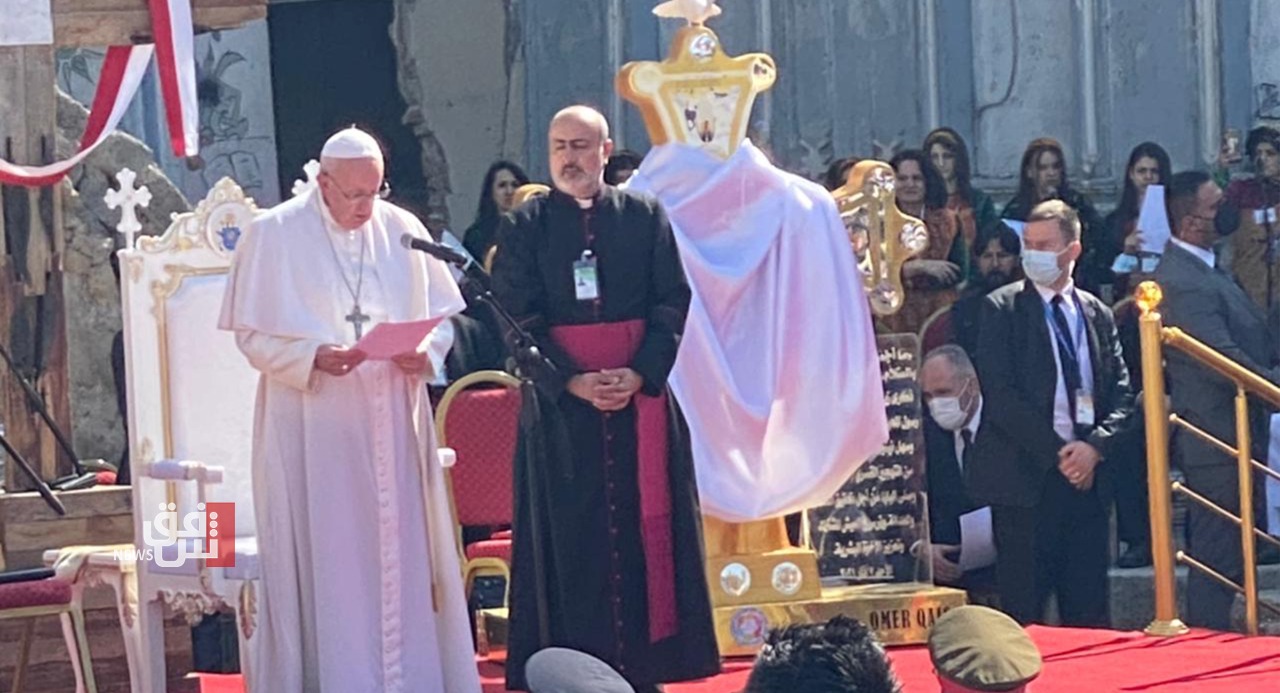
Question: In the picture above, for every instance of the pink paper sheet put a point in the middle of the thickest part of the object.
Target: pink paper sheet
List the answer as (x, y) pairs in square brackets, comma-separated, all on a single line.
[(390, 339)]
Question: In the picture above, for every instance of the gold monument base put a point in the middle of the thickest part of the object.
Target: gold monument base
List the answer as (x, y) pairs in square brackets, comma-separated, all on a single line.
[(900, 614), (785, 575)]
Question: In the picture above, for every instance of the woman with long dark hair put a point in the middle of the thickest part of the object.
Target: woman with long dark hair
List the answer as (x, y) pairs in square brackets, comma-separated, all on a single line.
[(1148, 165), (838, 173), (1043, 174), (496, 198), (974, 208), (930, 278)]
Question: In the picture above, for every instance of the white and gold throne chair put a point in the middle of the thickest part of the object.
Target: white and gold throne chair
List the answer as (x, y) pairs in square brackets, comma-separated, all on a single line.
[(190, 401)]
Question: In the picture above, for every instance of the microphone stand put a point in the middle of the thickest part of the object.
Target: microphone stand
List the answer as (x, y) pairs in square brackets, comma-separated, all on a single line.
[(42, 487), (82, 478), (530, 363)]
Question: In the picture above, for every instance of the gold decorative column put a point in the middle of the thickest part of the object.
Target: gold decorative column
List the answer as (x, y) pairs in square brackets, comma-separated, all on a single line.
[(1156, 418)]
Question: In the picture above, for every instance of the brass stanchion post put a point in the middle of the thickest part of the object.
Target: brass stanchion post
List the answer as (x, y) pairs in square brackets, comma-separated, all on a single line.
[(1244, 458), (1156, 413)]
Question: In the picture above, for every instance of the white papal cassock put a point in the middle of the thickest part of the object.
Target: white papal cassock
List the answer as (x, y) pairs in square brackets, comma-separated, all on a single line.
[(353, 519), (778, 372)]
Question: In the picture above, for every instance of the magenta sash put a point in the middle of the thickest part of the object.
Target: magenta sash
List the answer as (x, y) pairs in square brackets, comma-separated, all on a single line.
[(612, 345)]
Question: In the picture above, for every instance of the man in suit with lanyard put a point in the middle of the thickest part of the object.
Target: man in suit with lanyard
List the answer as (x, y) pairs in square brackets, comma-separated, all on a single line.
[(1207, 303), (1056, 397)]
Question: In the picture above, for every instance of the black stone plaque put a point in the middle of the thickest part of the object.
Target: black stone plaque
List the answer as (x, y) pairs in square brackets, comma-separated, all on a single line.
[(867, 531)]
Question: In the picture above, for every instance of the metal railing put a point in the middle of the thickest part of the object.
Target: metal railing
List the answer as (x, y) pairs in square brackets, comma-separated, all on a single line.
[(1154, 336)]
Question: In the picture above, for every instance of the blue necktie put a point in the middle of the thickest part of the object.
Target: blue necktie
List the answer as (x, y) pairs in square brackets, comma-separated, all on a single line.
[(1067, 353)]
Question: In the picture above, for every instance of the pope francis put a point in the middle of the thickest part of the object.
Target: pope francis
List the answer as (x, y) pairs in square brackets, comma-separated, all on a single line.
[(361, 589)]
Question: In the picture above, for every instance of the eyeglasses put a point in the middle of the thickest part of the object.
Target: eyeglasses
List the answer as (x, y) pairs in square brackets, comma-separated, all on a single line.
[(383, 192)]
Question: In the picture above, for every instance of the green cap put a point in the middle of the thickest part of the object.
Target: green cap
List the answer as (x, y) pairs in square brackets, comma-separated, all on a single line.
[(983, 649)]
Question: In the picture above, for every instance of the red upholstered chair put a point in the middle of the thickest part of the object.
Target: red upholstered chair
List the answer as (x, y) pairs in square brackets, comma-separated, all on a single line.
[(479, 418), (937, 330), (47, 597)]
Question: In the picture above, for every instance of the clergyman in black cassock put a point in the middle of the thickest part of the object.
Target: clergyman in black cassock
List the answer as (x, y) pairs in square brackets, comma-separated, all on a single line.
[(608, 552)]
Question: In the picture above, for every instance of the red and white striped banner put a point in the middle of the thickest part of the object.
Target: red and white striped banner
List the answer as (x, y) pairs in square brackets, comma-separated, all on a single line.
[(122, 72), (175, 58)]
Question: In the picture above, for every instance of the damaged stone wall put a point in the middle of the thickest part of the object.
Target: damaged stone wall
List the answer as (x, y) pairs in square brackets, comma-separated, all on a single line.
[(461, 72), (92, 292), (861, 78)]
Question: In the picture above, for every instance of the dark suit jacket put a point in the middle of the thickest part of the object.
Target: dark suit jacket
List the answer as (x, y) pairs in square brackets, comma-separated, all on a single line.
[(1208, 305), (1016, 447), (948, 499), (965, 316)]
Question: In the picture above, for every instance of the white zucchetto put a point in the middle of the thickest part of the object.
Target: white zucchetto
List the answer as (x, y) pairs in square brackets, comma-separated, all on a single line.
[(351, 143)]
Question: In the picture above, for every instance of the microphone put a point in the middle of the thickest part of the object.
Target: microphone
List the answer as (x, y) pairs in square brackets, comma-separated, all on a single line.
[(436, 250)]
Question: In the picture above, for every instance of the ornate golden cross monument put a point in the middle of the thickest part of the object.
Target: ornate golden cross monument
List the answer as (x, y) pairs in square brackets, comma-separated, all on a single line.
[(882, 237), (699, 95), (702, 97)]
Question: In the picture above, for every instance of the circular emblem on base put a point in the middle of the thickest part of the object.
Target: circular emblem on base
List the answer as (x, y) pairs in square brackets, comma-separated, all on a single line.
[(748, 627), (787, 578), (735, 579)]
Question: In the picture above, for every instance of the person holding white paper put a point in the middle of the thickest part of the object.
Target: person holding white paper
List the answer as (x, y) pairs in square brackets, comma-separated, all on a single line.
[(361, 588), (953, 396), (1127, 233)]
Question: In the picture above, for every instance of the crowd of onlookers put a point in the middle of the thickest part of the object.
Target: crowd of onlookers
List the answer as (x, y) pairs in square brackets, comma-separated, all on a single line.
[(1017, 372)]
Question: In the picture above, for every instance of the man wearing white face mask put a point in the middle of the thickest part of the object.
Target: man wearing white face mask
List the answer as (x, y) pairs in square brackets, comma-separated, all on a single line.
[(1056, 400), (950, 387)]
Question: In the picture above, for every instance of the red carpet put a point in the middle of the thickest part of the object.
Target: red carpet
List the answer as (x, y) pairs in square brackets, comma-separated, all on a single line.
[(1076, 661)]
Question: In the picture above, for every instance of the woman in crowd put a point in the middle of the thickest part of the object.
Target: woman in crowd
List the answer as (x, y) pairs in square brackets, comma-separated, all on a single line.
[(838, 173), (974, 208), (931, 278), (1148, 165), (496, 198), (621, 166), (1044, 177), (1247, 254)]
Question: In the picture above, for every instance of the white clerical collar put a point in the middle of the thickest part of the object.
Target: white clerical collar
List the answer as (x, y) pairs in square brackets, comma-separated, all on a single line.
[(1204, 255), (585, 202), (1047, 294)]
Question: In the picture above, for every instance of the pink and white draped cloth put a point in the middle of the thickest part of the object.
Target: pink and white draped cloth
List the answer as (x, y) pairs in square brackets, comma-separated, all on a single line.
[(778, 372)]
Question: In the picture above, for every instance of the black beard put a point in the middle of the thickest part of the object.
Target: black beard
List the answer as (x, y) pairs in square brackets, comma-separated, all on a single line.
[(995, 280)]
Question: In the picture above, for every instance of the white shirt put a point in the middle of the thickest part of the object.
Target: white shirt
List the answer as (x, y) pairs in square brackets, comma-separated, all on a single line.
[(972, 428), (1063, 424), (1205, 256)]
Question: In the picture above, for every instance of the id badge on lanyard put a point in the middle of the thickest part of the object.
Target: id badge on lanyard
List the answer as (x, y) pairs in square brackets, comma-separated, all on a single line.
[(586, 280), (1084, 408)]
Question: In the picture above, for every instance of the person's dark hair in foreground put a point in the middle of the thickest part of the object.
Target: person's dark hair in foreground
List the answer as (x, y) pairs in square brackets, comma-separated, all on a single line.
[(839, 656)]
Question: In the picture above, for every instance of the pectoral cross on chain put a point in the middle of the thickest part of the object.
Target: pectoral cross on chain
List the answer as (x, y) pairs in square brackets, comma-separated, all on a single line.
[(358, 319)]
